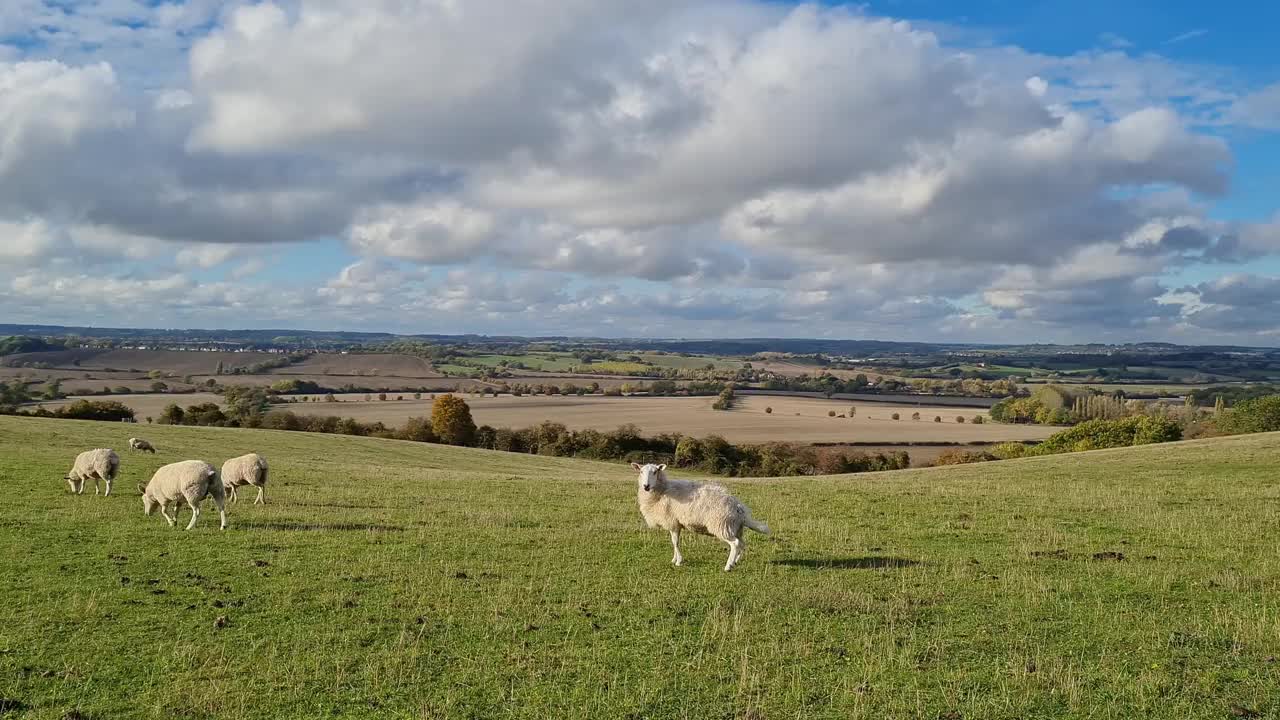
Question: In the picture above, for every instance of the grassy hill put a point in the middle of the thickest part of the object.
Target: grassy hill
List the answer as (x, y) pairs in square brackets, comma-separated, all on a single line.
[(390, 579)]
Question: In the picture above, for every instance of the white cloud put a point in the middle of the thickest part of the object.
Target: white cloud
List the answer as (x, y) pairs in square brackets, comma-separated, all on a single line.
[(748, 164)]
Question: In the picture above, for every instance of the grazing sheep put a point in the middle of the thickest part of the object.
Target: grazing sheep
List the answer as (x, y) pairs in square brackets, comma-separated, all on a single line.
[(248, 469), (142, 445), (190, 480), (100, 464), (676, 505)]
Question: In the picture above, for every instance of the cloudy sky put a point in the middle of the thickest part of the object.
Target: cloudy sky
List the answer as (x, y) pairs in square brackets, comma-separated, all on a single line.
[(1057, 170)]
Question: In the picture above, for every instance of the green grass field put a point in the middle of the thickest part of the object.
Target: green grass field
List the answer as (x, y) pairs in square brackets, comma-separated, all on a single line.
[(693, 362), (396, 580)]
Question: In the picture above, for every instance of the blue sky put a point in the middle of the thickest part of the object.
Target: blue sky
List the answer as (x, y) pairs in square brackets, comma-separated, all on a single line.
[(905, 169)]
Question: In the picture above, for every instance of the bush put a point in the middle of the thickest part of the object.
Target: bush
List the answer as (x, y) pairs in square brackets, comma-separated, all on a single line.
[(1251, 416), (768, 411), (419, 429), (937, 418), (108, 410), (960, 419), (831, 413), (978, 420), (896, 416), (915, 416), (1101, 434), (1010, 450), (957, 456)]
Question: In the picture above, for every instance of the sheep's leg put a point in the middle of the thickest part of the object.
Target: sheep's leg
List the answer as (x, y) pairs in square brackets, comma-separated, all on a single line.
[(72, 483), (164, 510), (677, 559), (736, 547), (262, 495), (108, 492), (221, 502), (234, 498), (195, 513), (96, 490)]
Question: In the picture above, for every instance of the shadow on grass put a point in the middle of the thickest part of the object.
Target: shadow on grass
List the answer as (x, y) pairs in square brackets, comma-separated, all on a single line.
[(858, 563), (318, 526), (340, 505)]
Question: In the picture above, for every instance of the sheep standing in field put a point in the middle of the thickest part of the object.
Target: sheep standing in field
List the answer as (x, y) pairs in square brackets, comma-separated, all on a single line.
[(190, 480), (248, 469), (142, 445), (101, 464), (676, 505)]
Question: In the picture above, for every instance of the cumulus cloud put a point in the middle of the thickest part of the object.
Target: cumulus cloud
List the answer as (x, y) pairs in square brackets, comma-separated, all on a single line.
[(750, 164), (1239, 302)]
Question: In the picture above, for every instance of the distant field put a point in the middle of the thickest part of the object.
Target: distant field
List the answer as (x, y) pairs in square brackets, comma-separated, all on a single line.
[(367, 365), (548, 362), (176, 361), (389, 579), (693, 362), (802, 420)]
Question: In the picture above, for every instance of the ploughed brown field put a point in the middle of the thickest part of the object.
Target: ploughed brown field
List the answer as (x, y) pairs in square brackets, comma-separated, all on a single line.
[(802, 420)]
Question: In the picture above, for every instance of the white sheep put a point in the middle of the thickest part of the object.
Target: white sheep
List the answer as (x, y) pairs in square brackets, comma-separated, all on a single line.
[(142, 445), (190, 480), (100, 464), (676, 505), (248, 469)]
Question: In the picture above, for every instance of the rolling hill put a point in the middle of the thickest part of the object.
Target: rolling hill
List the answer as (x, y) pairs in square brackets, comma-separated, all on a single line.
[(393, 579)]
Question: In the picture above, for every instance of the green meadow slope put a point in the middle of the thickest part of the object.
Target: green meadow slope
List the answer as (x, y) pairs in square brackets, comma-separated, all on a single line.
[(400, 580)]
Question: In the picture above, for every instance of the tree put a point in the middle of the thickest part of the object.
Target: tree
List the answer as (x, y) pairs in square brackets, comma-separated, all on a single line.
[(768, 411), (159, 387), (451, 420), (53, 390), (960, 419), (418, 429), (218, 369), (382, 397), (831, 413), (937, 418), (417, 396), (896, 416), (155, 374), (853, 411), (171, 415), (915, 416), (245, 402), (1219, 405)]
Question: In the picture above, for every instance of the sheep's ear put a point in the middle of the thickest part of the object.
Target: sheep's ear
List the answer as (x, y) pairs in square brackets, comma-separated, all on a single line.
[(636, 466), (662, 467)]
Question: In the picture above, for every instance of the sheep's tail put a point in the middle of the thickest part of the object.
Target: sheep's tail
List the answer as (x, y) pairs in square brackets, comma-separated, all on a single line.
[(756, 525)]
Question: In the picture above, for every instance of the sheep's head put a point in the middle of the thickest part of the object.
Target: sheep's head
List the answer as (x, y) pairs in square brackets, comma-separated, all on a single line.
[(149, 504), (652, 477)]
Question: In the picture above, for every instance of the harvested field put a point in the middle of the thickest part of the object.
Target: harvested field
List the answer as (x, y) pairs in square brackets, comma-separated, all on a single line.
[(802, 420), (364, 365)]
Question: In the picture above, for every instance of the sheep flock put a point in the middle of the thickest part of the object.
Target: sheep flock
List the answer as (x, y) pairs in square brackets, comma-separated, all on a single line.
[(185, 481), (672, 505)]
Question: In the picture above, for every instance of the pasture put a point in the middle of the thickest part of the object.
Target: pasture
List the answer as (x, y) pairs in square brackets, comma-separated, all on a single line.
[(794, 419), (393, 579)]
